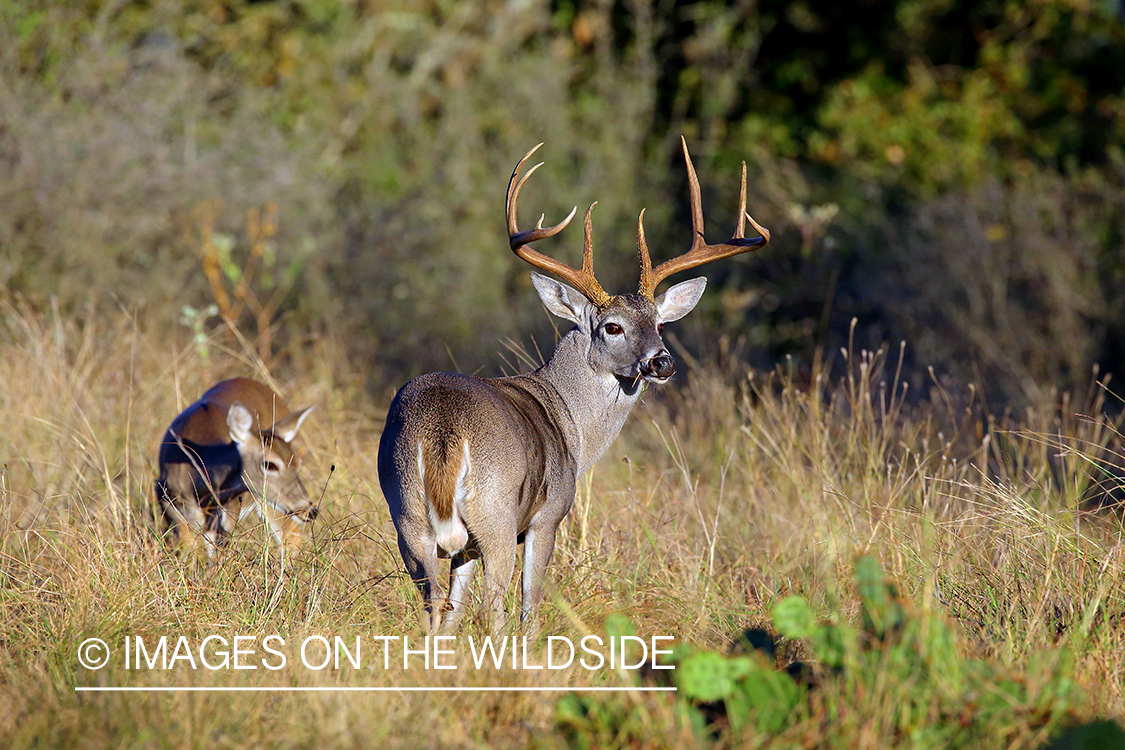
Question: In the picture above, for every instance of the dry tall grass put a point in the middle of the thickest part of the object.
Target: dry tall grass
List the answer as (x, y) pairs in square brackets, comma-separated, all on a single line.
[(716, 501)]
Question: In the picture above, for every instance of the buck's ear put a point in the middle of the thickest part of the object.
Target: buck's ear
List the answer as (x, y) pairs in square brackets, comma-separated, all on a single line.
[(286, 428), (240, 422), (680, 299), (559, 299)]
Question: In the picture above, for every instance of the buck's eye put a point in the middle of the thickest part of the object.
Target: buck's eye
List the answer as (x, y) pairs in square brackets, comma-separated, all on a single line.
[(271, 467), (660, 328), (614, 329)]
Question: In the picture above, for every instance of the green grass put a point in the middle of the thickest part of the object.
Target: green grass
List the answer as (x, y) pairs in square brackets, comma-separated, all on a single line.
[(722, 498)]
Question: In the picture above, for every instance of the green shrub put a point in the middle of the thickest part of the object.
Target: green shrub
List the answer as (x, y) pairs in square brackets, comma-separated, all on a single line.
[(904, 668)]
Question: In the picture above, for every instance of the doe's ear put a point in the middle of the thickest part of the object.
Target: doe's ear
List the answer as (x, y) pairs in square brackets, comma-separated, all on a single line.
[(680, 299), (559, 299), (240, 422), (286, 428)]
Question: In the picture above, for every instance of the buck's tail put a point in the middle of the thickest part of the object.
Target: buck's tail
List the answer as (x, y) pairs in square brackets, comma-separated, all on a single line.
[(444, 473)]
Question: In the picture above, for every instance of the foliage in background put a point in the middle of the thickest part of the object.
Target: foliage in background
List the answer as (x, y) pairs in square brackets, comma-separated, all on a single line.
[(972, 151)]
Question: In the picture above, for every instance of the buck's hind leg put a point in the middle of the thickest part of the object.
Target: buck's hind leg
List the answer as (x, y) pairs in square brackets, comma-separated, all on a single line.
[(422, 564), (462, 568)]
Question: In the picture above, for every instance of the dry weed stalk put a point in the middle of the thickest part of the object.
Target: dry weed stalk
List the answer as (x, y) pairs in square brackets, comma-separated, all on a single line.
[(253, 285)]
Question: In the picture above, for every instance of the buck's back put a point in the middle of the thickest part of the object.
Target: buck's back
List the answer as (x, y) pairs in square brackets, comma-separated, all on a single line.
[(517, 430)]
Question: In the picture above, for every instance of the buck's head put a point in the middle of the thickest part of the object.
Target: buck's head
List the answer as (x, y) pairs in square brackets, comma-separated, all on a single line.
[(625, 330), (625, 335), (270, 462)]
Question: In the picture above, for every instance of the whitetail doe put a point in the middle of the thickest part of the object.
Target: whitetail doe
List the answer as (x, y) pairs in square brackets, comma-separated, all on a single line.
[(236, 443), (471, 467)]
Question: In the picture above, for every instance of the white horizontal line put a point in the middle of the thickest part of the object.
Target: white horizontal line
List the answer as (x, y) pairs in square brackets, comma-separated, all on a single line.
[(408, 689)]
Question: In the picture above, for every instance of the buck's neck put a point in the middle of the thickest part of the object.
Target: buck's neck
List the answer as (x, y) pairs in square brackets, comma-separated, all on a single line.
[(596, 401)]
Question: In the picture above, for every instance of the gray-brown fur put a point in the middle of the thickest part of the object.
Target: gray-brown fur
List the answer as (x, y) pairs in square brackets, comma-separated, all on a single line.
[(235, 444), (530, 438), (472, 467)]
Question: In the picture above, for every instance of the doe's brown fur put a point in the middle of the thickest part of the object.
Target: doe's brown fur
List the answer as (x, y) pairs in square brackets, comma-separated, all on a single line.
[(236, 440)]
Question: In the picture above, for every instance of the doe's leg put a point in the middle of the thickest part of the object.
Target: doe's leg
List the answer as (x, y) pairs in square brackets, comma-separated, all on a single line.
[(185, 520), (216, 529)]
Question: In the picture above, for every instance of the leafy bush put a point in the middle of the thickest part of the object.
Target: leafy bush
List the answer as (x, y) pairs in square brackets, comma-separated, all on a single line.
[(904, 668)]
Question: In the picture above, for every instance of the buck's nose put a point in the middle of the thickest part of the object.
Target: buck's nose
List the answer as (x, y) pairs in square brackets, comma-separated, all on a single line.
[(312, 513), (661, 366)]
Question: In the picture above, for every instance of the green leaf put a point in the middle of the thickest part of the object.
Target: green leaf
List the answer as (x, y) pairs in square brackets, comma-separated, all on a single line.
[(834, 645), (766, 695), (882, 612), (570, 710), (869, 580), (704, 676), (1097, 735), (617, 625), (793, 617)]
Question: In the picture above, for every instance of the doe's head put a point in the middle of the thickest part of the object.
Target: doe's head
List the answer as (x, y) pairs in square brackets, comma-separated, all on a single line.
[(270, 462)]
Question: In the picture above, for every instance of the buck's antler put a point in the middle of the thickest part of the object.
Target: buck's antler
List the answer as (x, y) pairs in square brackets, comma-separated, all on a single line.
[(583, 280), (700, 251)]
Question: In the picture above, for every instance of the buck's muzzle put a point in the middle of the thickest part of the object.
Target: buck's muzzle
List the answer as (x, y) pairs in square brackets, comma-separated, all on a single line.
[(661, 366)]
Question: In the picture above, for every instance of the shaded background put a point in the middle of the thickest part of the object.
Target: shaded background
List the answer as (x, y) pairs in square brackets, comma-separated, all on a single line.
[(946, 173)]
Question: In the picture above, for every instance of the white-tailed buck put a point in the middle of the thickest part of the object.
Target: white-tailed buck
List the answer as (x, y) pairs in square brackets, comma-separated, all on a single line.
[(471, 466), (236, 443)]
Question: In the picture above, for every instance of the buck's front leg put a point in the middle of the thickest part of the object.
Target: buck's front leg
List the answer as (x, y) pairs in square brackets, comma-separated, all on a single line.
[(539, 541), (538, 546), (498, 551)]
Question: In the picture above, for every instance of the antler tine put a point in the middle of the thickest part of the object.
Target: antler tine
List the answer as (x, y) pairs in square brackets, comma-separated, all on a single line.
[(740, 232), (740, 227), (700, 251), (583, 280), (514, 188), (646, 259), (588, 242), (696, 201)]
